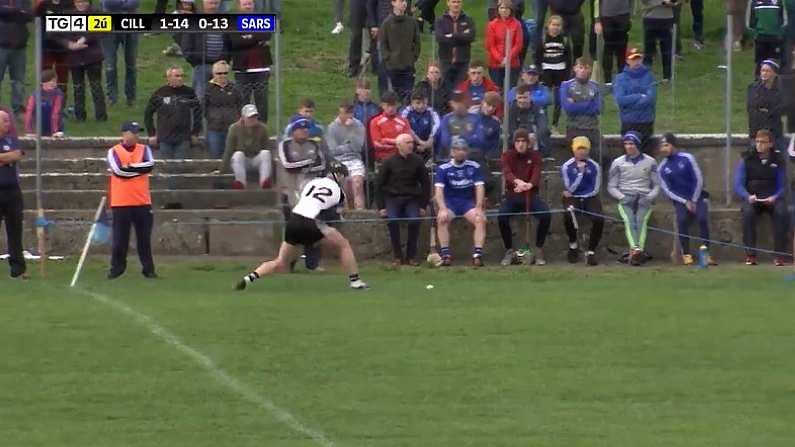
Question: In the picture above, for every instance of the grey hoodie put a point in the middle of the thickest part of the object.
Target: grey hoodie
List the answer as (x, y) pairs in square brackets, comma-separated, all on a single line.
[(345, 142), (634, 177), (654, 9)]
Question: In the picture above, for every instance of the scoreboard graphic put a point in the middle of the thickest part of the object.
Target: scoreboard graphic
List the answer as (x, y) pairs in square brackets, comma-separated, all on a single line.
[(162, 23)]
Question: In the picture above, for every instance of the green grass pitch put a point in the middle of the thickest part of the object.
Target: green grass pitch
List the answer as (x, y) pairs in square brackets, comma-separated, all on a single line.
[(549, 356)]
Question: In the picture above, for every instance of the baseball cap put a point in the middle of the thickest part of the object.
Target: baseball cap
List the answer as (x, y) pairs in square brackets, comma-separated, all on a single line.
[(131, 126), (633, 137), (580, 143), (459, 143), (531, 69), (634, 53), (249, 110)]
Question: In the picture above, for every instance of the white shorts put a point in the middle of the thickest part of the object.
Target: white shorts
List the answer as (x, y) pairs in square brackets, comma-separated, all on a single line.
[(355, 167)]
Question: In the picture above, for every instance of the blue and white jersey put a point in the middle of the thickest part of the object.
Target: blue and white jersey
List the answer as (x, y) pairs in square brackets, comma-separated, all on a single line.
[(581, 184), (425, 125), (681, 178), (458, 181), (9, 174)]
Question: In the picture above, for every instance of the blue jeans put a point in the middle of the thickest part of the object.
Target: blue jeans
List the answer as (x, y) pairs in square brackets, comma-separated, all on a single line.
[(174, 151), (514, 203), (110, 47), (201, 75), (216, 143), (14, 60)]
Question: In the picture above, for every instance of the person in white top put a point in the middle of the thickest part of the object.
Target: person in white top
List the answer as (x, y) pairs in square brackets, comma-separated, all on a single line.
[(303, 228)]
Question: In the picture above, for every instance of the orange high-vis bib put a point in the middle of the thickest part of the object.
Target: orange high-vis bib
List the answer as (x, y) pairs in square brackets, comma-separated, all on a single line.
[(129, 191)]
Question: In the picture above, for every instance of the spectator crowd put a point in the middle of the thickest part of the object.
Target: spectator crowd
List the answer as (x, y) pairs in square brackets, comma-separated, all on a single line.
[(461, 114)]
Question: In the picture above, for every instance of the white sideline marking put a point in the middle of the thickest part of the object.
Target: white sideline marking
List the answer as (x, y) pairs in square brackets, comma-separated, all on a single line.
[(243, 390)]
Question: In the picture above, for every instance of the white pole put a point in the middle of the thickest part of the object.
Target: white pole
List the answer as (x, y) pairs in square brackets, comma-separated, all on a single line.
[(88, 242), (278, 77), (728, 109)]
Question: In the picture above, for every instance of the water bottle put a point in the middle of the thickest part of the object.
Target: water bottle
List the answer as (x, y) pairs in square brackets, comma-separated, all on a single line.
[(703, 257)]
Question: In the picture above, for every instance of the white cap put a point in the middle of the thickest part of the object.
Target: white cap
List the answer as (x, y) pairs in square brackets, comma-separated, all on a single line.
[(249, 110)]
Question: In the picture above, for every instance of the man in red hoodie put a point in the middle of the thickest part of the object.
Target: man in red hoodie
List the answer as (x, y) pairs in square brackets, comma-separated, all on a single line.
[(476, 85), (521, 169), (386, 127)]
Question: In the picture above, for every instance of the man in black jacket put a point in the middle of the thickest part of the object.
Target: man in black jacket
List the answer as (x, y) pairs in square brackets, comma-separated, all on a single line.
[(404, 188), (455, 32), (202, 50), (179, 117), (765, 102), (14, 16), (400, 48), (251, 62), (377, 13)]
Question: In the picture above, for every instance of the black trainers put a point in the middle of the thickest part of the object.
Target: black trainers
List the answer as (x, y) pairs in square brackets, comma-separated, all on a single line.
[(477, 261), (151, 275), (241, 285), (447, 261), (590, 258), (573, 255)]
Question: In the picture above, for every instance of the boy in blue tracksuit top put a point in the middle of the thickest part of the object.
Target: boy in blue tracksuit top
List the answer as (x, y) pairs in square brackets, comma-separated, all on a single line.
[(460, 192), (582, 180), (424, 123), (539, 93), (486, 137), (582, 101), (636, 96), (681, 179)]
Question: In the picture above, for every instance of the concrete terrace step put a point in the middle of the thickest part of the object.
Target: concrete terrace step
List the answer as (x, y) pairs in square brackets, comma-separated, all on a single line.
[(179, 199), (82, 181), (100, 165)]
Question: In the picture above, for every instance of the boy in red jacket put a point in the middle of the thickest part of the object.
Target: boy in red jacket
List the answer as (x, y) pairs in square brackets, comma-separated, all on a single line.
[(386, 127), (521, 169)]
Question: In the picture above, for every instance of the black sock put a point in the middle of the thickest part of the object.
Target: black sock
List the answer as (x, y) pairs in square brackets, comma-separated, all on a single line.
[(353, 277), (251, 277)]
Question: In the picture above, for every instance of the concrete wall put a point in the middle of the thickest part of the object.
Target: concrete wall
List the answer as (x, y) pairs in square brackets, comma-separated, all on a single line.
[(225, 233)]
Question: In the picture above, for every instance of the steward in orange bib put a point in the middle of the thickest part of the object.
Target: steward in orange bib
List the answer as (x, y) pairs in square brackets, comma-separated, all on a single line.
[(130, 163)]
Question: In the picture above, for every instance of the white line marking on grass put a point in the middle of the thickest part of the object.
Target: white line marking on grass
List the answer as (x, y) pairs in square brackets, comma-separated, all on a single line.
[(243, 390)]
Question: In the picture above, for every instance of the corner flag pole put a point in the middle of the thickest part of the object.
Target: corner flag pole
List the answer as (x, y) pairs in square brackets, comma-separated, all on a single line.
[(87, 245), (41, 221)]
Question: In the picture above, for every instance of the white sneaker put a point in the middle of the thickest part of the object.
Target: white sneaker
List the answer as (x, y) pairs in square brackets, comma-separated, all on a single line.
[(359, 285), (337, 28)]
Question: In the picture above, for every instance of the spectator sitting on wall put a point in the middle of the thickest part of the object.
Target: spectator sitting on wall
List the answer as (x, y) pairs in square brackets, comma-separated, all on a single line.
[(248, 146), (52, 100), (424, 123), (222, 105), (521, 171), (403, 188), (345, 140), (760, 181), (179, 118), (582, 180)]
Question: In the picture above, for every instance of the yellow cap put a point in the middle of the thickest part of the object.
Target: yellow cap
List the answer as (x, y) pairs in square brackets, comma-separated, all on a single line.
[(580, 143)]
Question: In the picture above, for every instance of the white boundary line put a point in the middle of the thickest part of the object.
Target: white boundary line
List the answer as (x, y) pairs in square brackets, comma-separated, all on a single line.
[(238, 387)]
